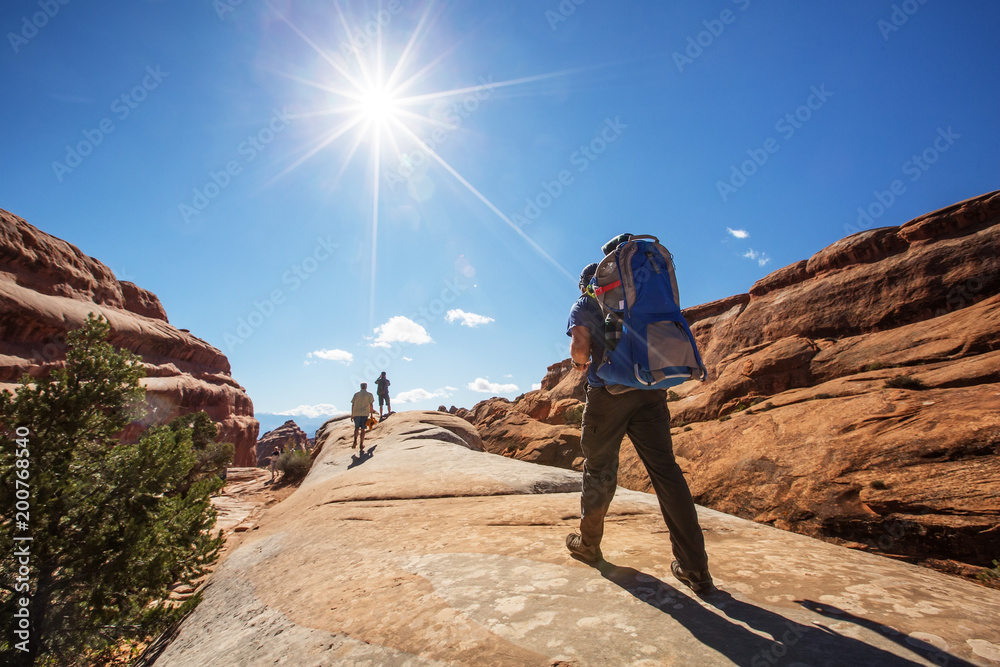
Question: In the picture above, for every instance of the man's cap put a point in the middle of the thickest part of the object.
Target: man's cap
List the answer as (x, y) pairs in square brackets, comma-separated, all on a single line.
[(587, 273)]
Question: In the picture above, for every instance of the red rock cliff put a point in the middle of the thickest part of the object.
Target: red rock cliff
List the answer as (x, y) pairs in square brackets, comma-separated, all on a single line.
[(47, 288), (853, 396)]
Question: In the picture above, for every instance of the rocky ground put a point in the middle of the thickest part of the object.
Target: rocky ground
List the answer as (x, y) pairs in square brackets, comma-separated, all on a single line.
[(248, 493), (432, 552)]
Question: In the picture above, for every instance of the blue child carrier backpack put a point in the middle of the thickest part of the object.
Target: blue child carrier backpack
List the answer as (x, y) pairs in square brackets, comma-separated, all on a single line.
[(648, 343)]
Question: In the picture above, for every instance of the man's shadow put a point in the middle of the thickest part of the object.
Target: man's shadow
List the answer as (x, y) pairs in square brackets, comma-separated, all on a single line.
[(792, 641), (364, 455), (932, 653)]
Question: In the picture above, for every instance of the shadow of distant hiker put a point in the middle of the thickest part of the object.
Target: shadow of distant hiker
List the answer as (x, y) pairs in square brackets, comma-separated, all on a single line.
[(929, 651), (364, 455), (726, 633)]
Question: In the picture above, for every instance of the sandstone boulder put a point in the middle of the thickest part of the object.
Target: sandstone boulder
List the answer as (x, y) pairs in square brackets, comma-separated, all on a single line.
[(287, 437)]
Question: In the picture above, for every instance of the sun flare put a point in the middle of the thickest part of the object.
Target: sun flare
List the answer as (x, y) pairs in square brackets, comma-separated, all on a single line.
[(376, 103)]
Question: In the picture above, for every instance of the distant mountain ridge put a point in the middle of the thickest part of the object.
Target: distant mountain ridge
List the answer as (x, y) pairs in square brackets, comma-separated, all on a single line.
[(269, 421)]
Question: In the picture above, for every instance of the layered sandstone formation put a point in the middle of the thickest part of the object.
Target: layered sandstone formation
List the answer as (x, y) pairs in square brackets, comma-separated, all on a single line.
[(804, 423), (431, 552), (48, 287), (286, 437)]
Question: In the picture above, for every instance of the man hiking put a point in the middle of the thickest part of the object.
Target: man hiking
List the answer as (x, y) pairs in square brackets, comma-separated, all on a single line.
[(611, 411), (362, 405), (382, 384)]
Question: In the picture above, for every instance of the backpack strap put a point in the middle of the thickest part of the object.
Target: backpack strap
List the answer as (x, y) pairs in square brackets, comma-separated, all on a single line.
[(601, 290)]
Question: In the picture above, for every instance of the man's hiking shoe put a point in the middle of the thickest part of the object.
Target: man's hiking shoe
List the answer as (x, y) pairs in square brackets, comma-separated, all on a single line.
[(699, 582), (586, 553)]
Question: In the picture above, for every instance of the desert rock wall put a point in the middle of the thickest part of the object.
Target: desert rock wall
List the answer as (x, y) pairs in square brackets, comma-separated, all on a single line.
[(852, 395), (48, 287)]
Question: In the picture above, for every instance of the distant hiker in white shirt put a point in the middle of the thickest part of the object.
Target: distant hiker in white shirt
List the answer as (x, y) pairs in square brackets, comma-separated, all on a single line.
[(362, 405)]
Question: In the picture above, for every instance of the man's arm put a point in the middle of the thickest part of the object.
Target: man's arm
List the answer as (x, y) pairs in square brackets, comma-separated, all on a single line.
[(579, 347)]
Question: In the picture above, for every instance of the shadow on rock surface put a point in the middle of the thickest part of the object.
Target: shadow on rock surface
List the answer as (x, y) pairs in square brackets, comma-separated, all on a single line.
[(361, 457), (741, 631), (924, 647)]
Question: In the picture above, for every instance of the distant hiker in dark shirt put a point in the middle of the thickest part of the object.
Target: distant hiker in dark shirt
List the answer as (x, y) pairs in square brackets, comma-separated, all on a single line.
[(274, 463), (383, 394), (362, 405), (643, 415)]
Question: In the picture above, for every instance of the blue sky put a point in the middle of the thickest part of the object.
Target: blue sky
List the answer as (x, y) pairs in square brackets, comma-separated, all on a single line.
[(199, 149)]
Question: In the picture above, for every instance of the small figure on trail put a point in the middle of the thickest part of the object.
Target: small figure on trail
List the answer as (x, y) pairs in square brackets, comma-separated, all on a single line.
[(274, 463), (383, 394), (612, 411), (362, 405)]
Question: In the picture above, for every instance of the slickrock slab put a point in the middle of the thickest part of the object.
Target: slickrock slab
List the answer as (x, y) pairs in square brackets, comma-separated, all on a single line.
[(428, 552), (243, 499)]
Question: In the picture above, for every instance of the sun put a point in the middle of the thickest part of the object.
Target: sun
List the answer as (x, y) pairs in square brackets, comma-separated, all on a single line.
[(378, 104), (375, 100)]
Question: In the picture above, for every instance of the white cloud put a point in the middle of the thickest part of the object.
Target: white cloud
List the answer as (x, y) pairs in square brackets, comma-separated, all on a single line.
[(536, 385), (738, 233), (407, 359), (400, 329), (314, 411), (468, 319), (486, 387), (331, 355), (414, 395), (760, 257)]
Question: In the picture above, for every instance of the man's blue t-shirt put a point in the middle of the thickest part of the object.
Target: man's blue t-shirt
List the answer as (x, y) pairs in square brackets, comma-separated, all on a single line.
[(586, 312)]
